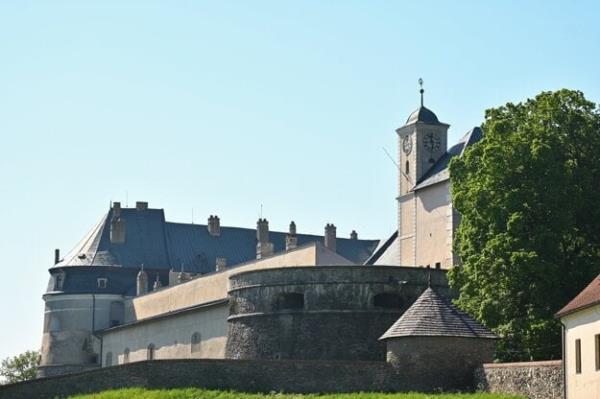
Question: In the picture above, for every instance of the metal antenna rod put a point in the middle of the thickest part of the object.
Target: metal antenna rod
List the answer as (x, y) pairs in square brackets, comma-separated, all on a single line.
[(397, 166)]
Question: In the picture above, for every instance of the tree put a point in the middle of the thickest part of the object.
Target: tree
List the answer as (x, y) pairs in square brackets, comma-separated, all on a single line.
[(20, 368), (529, 237)]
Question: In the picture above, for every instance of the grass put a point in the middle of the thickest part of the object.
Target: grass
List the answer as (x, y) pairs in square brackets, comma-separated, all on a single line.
[(194, 393)]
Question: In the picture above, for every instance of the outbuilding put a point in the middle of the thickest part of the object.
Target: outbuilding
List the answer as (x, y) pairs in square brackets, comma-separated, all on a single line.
[(581, 343)]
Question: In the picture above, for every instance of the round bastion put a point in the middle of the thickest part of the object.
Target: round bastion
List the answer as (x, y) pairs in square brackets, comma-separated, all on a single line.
[(322, 312)]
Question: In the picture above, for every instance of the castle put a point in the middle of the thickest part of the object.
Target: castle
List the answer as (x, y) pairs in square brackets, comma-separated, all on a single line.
[(140, 288)]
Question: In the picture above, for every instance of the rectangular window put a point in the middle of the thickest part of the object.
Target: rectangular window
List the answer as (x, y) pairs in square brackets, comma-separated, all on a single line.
[(102, 283), (438, 265), (578, 356), (597, 339)]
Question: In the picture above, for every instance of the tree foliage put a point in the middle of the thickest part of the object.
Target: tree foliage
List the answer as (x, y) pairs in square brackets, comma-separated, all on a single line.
[(20, 368), (529, 239)]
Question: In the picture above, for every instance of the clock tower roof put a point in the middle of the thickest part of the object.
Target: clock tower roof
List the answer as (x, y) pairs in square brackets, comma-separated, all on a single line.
[(423, 115)]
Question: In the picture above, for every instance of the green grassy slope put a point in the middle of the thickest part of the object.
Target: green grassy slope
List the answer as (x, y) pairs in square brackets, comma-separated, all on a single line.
[(193, 393)]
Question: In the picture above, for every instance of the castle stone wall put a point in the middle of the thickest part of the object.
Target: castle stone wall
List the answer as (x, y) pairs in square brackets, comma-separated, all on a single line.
[(536, 380), (329, 312), (240, 375)]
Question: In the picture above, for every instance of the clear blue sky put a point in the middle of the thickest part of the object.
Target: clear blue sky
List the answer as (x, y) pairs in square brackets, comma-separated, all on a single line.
[(222, 106)]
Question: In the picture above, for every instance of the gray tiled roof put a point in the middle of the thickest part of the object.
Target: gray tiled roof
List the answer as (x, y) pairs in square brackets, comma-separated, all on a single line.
[(435, 316), (439, 171), (165, 245)]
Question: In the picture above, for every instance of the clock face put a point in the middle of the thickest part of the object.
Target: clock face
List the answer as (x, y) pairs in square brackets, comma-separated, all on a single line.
[(431, 142), (407, 144)]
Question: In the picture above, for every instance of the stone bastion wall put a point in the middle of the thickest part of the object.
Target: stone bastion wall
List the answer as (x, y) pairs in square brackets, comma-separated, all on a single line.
[(321, 313)]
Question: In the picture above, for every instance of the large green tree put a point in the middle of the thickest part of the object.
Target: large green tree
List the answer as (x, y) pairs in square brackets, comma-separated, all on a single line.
[(19, 368), (529, 239)]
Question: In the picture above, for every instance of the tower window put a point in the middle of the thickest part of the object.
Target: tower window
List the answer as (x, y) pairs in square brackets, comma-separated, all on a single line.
[(407, 167), (388, 300), (59, 281)]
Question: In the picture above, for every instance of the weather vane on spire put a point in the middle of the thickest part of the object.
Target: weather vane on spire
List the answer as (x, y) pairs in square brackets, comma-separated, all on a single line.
[(421, 91)]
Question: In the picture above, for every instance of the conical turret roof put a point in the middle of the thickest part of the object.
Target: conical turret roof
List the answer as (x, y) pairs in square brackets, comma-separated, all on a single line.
[(435, 316)]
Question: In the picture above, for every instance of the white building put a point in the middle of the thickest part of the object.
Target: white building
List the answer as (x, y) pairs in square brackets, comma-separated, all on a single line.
[(581, 343)]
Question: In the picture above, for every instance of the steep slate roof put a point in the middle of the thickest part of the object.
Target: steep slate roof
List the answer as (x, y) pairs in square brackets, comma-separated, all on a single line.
[(435, 316), (439, 171), (590, 296), (165, 245)]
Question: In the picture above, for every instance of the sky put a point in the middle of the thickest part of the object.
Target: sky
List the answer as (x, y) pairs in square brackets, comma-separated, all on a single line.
[(220, 107)]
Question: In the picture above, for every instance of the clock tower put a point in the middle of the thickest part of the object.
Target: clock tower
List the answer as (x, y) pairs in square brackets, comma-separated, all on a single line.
[(422, 141)]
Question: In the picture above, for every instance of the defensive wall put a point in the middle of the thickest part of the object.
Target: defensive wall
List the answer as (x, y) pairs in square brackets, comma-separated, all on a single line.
[(536, 380), (295, 376)]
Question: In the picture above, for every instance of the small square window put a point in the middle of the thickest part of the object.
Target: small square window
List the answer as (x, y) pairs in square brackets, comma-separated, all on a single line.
[(102, 283), (438, 265)]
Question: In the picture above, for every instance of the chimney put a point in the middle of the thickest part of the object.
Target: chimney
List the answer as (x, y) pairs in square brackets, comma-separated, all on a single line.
[(116, 209), (56, 256), (330, 236), (141, 206), (353, 235), (291, 241), (264, 247), (221, 264), (141, 282), (214, 226)]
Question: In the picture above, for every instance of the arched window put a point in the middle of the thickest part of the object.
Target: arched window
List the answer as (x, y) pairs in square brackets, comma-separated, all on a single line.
[(150, 354), (195, 342), (407, 168), (126, 356), (388, 300), (288, 301), (108, 359)]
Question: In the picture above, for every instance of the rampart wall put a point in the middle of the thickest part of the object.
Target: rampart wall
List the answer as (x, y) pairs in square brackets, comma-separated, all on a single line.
[(241, 375), (536, 380)]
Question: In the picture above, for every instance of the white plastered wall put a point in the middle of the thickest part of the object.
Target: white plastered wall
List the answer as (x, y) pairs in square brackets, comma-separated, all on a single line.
[(171, 337), (583, 325), (434, 221)]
